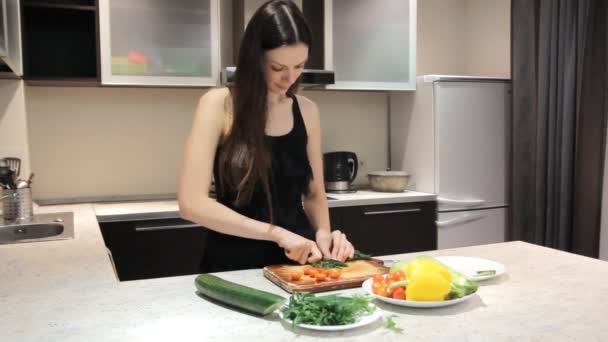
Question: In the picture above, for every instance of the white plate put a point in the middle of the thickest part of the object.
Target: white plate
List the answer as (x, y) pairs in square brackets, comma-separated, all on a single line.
[(361, 321), (470, 265), (367, 286)]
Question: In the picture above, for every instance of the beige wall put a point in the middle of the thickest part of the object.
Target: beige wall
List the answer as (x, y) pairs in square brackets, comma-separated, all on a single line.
[(13, 123), (101, 142), (464, 37)]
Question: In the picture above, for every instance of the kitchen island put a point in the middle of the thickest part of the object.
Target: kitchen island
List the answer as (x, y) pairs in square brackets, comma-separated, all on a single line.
[(67, 291)]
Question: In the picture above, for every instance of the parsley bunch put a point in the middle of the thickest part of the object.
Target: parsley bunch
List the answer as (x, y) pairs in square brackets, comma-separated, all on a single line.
[(306, 308)]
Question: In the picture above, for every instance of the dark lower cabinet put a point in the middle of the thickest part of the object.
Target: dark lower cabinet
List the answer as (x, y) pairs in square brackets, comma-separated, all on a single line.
[(154, 248), (388, 228)]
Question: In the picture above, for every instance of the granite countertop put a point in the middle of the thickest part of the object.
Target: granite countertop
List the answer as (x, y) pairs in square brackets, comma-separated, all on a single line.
[(67, 290)]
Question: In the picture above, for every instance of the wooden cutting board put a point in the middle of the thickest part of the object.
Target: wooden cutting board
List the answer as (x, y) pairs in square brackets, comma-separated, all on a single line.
[(352, 276)]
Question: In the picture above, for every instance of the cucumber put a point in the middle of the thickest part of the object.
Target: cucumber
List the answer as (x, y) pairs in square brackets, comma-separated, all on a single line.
[(243, 297)]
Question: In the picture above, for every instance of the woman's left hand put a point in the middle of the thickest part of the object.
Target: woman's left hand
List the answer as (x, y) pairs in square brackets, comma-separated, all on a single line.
[(334, 245)]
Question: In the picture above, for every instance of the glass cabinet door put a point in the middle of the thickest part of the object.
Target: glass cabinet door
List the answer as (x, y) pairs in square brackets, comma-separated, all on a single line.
[(159, 42), (371, 44), (3, 29)]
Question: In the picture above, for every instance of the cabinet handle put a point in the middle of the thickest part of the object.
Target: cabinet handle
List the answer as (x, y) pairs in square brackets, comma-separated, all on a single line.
[(144, 228), (467, 203), (459, 220), (398, 211)]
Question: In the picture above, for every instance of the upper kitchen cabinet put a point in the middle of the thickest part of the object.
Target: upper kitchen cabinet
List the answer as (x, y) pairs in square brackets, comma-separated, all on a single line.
[(3, 29), (10, 39), (371, 45), (159, 43), (60, 42)]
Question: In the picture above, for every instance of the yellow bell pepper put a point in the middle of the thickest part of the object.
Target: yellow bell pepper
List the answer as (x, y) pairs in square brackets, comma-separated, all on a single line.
[(426, 280)]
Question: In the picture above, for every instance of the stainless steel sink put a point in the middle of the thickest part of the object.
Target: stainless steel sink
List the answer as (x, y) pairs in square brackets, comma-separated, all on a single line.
[(43, 227)]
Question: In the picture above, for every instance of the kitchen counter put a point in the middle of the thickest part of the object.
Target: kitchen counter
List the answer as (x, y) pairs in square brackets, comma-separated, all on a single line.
[(67, 290), (136, 210)]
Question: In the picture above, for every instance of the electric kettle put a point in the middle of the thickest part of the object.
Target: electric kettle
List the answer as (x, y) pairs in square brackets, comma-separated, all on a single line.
[(339, 170)]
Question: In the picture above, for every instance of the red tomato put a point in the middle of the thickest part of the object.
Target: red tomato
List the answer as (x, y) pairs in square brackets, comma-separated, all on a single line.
[(398, 275), (399, 293), (334, 273), (307, 269), (382, 291), (323, 271), (320, 276), (378, 278), (296, 275)]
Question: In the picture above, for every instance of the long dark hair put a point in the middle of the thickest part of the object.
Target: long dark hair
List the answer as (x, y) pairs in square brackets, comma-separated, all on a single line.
[(244, 158)]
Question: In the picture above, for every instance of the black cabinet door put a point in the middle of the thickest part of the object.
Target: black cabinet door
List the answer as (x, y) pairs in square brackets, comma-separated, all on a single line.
[(389, 228), (154, 248)]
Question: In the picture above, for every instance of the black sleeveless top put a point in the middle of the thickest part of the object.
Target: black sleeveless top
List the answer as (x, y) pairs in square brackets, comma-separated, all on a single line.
[(289, 180)]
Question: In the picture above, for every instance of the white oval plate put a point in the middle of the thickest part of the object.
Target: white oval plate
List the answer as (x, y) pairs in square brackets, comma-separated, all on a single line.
[(470, 265), (367, 286), (361, 321)]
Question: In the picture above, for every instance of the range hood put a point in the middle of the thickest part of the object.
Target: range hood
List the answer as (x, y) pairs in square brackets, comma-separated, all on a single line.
[(309, 76)]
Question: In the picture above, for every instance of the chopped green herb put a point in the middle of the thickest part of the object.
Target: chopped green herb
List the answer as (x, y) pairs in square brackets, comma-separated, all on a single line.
[(391, 325), (486, 272), (306, 308), (329, 263), (361, 256)]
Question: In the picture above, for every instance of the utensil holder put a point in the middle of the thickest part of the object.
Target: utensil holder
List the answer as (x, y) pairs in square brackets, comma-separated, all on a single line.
[(17, 204)]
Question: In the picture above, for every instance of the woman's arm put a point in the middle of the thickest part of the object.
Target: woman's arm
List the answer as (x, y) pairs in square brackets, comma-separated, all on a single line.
[(333, 245), (194, 202)]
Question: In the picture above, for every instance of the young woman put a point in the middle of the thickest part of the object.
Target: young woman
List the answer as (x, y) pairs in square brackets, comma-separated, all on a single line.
[(262, 143)]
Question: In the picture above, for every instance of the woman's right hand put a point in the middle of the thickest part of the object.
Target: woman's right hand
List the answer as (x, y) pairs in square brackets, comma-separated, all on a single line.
[(298, 248)]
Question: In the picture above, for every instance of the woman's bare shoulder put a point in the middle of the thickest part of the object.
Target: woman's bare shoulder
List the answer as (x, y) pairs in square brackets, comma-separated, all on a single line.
[(309, 109)]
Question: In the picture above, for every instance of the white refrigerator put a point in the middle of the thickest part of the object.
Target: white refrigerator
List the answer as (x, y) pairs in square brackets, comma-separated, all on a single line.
[(453, 136)]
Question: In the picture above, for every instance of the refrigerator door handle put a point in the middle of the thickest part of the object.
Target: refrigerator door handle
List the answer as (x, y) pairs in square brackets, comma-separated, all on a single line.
[(459, 220), (467, 203)]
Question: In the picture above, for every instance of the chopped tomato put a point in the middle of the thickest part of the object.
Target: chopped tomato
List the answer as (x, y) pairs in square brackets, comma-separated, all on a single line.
[(399, 293), (320, 276), (323, 271), (398, 276), (334, 273), (307, 269), (296, 275), (382, 292), (378, 278)]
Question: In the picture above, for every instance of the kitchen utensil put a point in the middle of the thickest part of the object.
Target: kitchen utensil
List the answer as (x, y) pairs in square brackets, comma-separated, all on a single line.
[(7, 176), (17, 204), (367, 286), (339, 170), (21, 183), (351, 276), (14, 164), (388, 181), (29, 180)]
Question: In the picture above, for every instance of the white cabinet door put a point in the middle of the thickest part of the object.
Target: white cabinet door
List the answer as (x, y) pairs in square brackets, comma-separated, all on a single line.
[(371, 44), (470, 228), (163, 43)]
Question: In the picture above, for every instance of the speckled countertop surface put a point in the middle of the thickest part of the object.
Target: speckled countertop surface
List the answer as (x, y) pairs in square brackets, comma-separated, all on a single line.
[(67, 291)]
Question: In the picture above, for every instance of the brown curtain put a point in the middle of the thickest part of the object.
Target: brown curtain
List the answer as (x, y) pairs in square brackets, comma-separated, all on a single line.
[(560, 106)]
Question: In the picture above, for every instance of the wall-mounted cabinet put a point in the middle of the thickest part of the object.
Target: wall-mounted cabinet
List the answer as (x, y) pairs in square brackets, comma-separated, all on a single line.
[(159, 43), (10, 39), (371, 45), (3, 29), (60, 41)]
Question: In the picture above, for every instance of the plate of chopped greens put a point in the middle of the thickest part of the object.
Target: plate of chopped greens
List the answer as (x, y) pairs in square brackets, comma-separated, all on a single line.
[(329, 312)]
